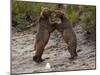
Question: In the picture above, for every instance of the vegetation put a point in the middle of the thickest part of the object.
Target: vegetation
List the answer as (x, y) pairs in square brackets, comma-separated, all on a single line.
[(25, 13)]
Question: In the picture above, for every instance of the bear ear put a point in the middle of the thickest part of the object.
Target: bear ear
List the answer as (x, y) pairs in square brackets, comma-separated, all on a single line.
[(41, 14), (45, 11), (42, 8), (42, 11)]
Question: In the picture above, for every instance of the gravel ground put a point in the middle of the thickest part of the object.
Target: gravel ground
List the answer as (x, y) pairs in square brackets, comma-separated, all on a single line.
[(56, 53)]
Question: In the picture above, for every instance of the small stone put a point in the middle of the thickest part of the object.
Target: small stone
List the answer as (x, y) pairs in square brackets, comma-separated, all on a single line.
[(47, 66)]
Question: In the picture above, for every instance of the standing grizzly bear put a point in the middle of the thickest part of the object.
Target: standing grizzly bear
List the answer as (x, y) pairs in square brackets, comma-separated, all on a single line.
[(45, 28)]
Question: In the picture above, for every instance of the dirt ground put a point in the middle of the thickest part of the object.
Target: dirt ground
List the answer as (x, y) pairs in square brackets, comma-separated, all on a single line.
[(56, 53)]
